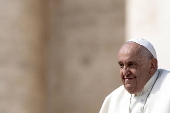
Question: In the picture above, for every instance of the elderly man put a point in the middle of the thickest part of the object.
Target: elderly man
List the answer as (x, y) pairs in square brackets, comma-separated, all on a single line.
[(145, 89)]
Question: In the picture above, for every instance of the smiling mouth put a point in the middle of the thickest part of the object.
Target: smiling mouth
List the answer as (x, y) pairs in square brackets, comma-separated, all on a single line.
[(129, 78)]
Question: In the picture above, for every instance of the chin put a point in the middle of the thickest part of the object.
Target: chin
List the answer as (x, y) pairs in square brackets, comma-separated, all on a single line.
[(130, 90)]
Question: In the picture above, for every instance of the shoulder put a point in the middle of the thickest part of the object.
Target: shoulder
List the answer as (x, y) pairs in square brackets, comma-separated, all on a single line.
[(164, 74), (164, 71), (163, 82), (119, 97), (113, 96), (120, 91), (111, 100)]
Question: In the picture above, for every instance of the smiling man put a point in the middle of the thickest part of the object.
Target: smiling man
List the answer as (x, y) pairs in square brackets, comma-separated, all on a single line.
[(145, 88)]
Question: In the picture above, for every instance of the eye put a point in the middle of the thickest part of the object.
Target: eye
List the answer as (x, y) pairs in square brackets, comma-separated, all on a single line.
[(130, 64), (121, 65)]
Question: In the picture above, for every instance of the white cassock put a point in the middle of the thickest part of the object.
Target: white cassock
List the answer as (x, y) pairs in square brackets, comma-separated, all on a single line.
[(158, 100)]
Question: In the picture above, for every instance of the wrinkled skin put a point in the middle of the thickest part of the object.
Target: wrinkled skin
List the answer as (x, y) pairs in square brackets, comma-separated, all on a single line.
[(135, 68)]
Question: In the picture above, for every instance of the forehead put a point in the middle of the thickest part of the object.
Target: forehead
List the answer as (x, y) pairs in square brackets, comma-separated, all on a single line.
[(130, 51)]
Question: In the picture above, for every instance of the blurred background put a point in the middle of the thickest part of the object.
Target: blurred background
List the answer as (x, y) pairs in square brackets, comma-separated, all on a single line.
[(60, 56)]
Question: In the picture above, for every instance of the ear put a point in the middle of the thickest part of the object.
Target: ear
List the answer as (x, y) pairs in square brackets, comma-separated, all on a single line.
[(153, 66)]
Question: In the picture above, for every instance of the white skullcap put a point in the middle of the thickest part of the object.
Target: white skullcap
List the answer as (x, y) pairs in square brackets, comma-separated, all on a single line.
[(144, 43)]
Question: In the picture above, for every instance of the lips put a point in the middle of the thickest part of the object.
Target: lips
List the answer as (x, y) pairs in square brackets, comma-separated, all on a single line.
[(129, 78)]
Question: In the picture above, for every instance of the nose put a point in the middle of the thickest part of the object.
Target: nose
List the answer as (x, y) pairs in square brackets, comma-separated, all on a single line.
[(125, 71)]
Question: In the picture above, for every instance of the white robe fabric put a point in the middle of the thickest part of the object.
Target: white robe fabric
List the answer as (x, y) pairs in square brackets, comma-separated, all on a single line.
[(157, 102)]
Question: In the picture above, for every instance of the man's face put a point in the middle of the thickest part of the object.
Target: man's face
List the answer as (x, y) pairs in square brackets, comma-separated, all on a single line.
[(134, 68)]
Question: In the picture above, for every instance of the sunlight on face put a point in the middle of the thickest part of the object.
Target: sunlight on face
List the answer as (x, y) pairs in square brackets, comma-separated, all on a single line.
[(134, 68)]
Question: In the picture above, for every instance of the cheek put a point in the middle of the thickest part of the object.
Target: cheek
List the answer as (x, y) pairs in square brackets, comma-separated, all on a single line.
[(121, 75), (141, 77)]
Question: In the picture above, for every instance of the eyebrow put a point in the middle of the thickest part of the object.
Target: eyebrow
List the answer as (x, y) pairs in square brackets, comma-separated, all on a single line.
[(128, 62), (119, 62)]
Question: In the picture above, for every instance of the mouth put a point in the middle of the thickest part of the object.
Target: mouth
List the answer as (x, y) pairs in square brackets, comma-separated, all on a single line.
[(129, 78)]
